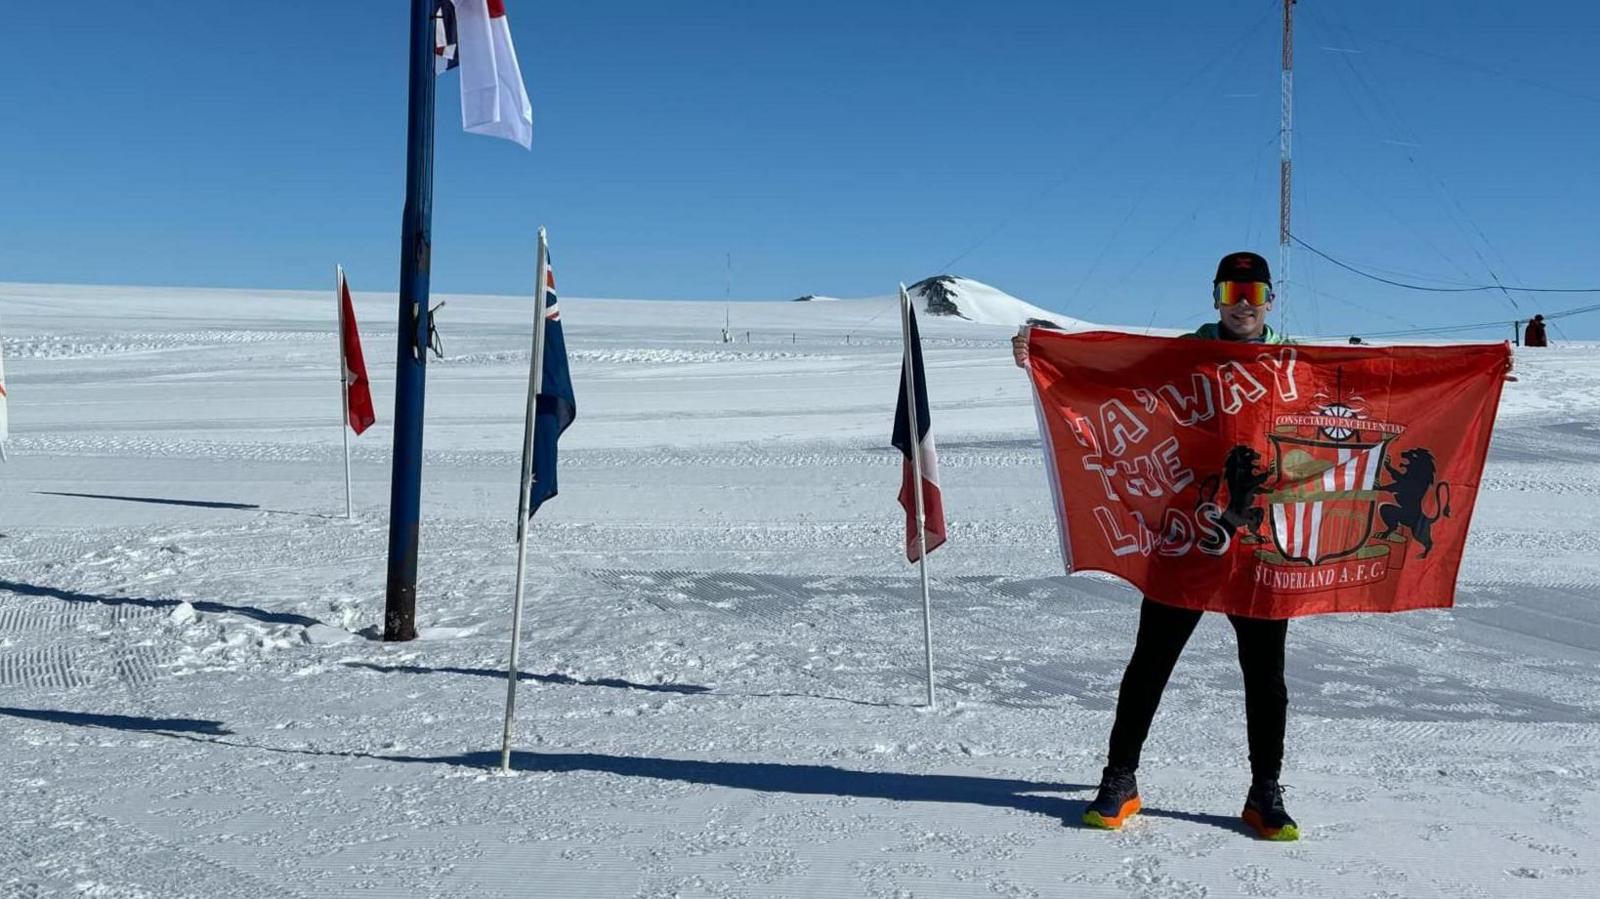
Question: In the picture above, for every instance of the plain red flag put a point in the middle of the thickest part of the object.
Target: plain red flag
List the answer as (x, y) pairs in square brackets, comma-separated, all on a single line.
[(1266, 480), (357, 389)]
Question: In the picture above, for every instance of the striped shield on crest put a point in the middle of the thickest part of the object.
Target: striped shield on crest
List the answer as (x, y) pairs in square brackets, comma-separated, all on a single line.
[(1323, 504)]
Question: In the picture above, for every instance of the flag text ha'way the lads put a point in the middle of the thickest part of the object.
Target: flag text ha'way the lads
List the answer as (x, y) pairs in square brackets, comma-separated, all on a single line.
[(1266, 481)]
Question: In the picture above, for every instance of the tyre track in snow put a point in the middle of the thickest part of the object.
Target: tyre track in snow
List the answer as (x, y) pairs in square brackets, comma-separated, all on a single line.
[(66, 644), (60, 667), (107, 618), (21, 616)]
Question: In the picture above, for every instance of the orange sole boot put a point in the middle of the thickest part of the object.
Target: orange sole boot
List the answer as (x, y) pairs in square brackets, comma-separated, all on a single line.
[(1093, 818), (1286, 834)]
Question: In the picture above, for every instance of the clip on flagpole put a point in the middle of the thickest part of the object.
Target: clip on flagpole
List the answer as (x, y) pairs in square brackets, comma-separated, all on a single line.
[(344, 382), (535, 384), (910, 388)]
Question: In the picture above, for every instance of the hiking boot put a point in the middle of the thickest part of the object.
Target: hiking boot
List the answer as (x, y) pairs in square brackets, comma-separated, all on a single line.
[(1264, 812), (1117, 799)]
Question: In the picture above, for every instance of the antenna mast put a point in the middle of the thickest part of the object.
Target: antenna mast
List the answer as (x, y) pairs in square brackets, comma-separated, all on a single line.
[(1285, 144), (727, 301)]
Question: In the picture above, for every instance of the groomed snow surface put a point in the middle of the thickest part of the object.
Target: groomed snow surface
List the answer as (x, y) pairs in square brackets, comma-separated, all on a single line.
[(721, 684)]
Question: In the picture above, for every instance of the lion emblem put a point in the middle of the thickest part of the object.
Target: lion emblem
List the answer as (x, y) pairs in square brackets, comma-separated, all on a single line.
[(1411, 485), (1244, 483)]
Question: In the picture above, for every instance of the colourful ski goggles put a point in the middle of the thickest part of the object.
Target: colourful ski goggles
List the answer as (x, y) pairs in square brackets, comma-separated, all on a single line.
[(1229, 293)]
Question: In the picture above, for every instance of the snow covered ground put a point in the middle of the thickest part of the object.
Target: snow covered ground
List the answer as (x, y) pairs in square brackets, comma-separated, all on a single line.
[(722, 662)]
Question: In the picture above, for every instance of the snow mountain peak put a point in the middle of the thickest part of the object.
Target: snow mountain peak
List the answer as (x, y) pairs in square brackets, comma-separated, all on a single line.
[(958, 297)]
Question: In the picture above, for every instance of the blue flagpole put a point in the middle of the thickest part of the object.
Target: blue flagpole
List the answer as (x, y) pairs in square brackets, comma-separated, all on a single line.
[(405, 490)]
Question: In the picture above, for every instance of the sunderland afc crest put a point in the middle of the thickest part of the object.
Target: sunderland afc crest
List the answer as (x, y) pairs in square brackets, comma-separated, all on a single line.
[(1323, 504), (1335, 506)]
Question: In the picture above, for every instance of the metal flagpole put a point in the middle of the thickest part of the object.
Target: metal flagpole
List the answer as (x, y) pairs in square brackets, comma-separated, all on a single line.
[(535, 384), (344, 384), (1285, 146), (410, 376), (910, 388)]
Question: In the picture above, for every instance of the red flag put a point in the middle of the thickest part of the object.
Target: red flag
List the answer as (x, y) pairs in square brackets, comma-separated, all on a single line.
[(1265, 480), (358, 391), (932, 500)]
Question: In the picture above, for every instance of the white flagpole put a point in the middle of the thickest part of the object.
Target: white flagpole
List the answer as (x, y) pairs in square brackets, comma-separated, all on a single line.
[(344, 385), (910, 387), (535, 384)]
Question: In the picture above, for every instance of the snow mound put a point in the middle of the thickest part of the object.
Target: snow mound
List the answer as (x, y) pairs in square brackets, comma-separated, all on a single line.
[(634, 356), (978, 302), (96, 346)]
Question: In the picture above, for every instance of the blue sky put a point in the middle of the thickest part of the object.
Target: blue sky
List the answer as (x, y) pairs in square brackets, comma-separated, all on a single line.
[(1093, 157)]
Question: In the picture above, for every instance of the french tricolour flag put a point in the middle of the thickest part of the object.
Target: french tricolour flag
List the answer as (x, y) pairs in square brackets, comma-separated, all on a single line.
[(932, 501), (474, 35)]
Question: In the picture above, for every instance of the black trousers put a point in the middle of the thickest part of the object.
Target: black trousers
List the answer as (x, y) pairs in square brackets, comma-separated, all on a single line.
[(1163, 631)]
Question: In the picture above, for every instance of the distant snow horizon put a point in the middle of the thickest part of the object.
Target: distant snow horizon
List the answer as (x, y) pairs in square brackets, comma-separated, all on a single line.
[(973, 301)]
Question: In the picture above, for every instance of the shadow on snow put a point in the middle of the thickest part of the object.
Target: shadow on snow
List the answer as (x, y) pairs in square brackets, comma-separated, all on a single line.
[(827, 780), (189, 503), (763, 777), (201, 604), (197, 503), (566, 680), (122, 722), (560, 679)]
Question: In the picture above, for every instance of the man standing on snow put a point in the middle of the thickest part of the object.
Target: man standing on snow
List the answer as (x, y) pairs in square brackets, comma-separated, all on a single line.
[(1242, 295), (1533, 334)]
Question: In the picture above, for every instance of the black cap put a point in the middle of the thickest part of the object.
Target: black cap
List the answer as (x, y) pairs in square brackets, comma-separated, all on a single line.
[(1242, 267)]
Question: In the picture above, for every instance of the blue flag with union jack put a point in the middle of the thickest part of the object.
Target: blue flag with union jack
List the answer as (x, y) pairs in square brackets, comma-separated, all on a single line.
[(555, 407)]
